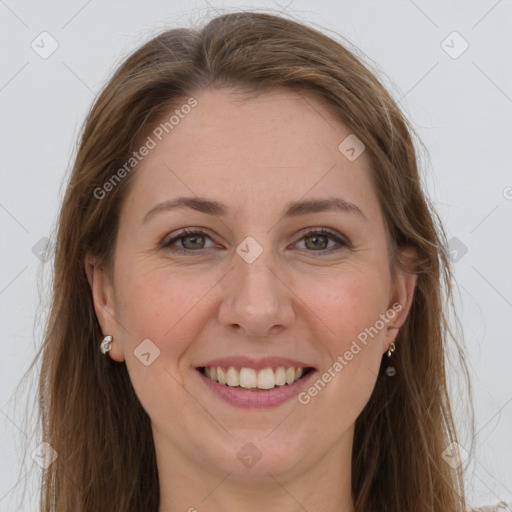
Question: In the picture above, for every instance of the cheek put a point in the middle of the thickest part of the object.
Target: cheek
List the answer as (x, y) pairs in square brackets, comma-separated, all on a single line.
[(349, 302), (165, 308), (170, 309), (155, 299), (351, 308), (352, 344)]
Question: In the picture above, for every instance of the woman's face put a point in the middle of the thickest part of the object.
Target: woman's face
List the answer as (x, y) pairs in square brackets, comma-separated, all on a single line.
[(260, 287)]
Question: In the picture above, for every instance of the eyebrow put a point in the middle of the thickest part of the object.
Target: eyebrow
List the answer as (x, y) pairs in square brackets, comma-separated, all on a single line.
[(293, 209)]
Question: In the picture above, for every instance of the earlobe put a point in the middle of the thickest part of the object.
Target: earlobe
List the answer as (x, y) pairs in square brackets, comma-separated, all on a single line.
[(103, 297)]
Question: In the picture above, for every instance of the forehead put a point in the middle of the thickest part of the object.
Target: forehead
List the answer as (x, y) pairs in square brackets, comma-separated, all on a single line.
[(252, 154)]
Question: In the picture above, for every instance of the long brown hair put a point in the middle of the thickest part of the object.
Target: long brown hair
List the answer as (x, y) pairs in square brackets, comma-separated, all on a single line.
[(89, 411)]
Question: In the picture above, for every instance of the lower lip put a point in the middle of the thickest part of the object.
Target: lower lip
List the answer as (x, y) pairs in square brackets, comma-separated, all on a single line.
[(261, 398)]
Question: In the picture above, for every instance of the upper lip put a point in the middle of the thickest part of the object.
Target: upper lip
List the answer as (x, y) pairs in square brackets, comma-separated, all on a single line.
[(256, 364)]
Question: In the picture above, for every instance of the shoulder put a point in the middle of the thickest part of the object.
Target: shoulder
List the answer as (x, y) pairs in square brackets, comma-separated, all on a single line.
[(502, 506)]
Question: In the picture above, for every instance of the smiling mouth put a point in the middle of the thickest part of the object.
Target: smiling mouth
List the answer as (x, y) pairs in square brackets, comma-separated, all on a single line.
[(255, 380)]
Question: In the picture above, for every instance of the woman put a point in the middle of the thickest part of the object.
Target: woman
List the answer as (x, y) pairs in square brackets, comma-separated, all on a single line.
[(247, 309)]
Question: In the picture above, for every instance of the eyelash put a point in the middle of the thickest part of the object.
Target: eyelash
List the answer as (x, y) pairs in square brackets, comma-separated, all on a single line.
[(188, 232)]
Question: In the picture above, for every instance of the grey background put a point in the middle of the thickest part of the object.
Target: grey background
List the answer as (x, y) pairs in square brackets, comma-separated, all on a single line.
[(461, 108)]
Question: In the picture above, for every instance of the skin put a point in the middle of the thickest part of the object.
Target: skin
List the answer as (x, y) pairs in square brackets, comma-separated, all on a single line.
[(294, 300)]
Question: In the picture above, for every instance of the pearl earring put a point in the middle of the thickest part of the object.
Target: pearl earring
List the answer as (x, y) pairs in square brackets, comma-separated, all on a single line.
[(106, 344)]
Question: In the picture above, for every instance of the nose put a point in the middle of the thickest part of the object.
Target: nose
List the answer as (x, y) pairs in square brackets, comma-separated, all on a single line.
[(257, 300)]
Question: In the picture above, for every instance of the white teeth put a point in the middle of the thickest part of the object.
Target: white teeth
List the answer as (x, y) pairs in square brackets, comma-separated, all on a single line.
[(266, 379), (280, 376), (249, 378), (232, 377), (290, 375)]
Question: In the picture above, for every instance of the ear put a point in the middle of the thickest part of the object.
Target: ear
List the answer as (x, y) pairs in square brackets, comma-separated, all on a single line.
[(103, 296), (402, 294)]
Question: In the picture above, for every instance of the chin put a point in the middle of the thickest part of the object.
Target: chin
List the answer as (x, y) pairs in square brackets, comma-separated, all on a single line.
[(255, 456)]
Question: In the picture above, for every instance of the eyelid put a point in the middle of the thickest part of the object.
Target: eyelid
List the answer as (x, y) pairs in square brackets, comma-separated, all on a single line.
[(341, 240), (182, 233), (324, 231)]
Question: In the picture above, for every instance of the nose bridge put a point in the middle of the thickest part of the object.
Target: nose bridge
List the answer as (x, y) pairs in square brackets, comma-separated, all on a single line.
[(255, 275), (256, 297)]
